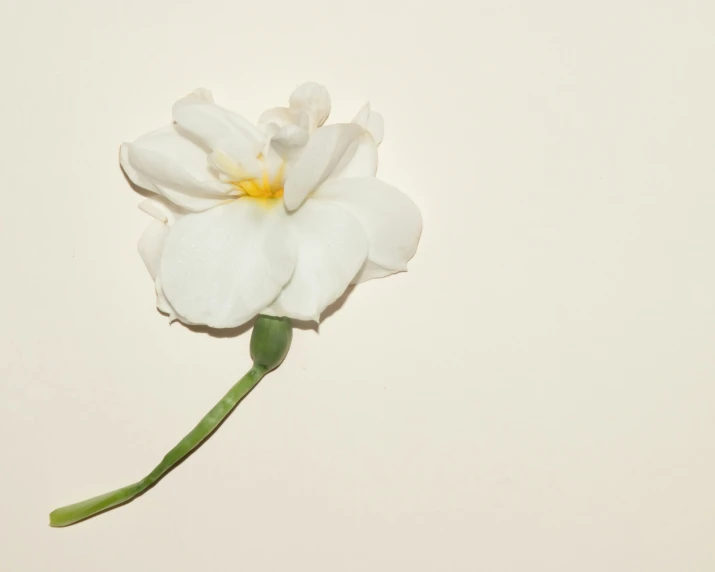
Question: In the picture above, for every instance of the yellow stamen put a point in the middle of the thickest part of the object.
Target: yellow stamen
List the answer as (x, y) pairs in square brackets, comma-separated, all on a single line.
[(262, 188)]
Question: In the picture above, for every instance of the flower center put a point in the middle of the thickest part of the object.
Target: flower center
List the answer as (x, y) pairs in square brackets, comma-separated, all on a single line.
[(263, 188)]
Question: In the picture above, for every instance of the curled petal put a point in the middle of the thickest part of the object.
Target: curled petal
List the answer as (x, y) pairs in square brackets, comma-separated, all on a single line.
[(163, 304), (370, 271), (223, 266), (162, 209), (168, 163), (372, 122), (329, 149), (391, 221), (288, 142), (312, 101), (210, 122), (359, 161), (331, 248), (220, 129), (276, 117), (240, 153), (151, 247), (309, 108)]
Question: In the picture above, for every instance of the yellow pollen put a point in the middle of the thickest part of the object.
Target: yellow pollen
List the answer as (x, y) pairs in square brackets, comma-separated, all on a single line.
[(262, 188)]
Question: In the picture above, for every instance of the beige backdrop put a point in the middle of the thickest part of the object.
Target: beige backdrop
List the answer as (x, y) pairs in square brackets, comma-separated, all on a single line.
[(536, 394)]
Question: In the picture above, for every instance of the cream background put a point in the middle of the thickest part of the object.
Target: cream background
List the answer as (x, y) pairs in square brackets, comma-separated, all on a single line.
[(537, 392)]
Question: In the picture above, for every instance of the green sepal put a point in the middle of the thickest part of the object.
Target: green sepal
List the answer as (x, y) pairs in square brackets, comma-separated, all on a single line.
[(270, 341)]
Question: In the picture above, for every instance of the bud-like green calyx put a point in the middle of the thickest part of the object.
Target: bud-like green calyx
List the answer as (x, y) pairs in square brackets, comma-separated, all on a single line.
[(270, 341)]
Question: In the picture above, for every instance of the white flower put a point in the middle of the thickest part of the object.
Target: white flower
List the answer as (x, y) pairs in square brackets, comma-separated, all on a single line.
[(272, 219)]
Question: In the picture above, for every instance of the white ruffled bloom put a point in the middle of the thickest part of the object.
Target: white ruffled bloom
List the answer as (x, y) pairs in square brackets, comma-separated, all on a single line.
[(273, 219)]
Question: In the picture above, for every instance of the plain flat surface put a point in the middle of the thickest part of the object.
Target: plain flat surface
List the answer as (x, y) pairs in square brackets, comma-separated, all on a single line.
[(536, 393)]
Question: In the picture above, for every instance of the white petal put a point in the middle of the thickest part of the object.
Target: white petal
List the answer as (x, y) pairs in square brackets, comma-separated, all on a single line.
[(211, 122), (288, 143), (242, 152), (168, 163), (370, 271), (162, 209), (230, 170), (222, 267), (376, 127), (331, 250), (277, 116), (163, 304), (220, 129), (372, 122), (309, 108), (330, 148), (391, 221), (200, 94), (151, 246), (312, 101), (360, 160), (363, 115)]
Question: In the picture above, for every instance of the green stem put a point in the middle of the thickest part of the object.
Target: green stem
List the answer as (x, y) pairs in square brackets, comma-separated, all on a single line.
[(84, 509)]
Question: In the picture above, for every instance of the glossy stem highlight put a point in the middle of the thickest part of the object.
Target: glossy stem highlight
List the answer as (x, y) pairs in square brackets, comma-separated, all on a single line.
[(79, 511)]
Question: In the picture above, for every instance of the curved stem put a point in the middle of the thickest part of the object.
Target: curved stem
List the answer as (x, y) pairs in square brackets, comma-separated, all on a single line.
[(79, 511)]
